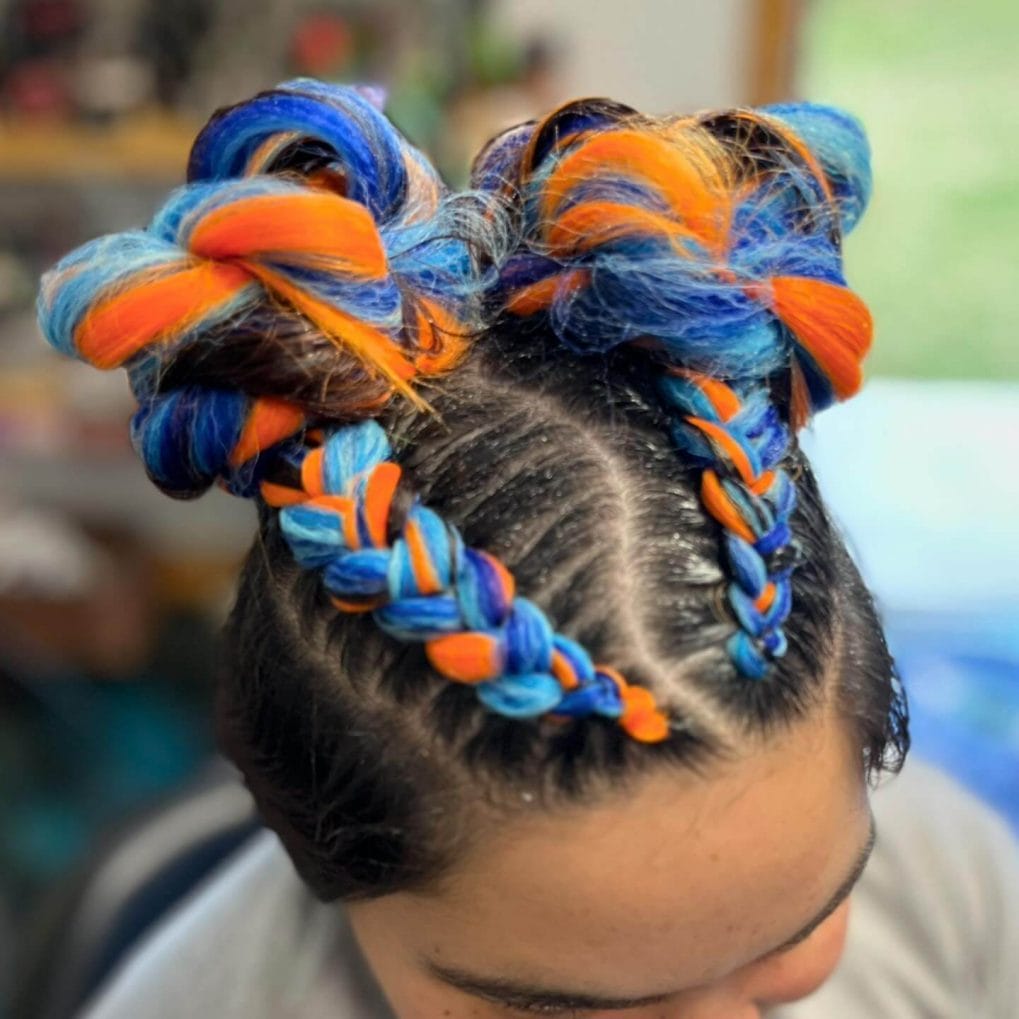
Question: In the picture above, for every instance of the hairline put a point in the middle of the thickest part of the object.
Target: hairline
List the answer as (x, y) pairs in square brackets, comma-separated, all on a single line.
[(514, 993)]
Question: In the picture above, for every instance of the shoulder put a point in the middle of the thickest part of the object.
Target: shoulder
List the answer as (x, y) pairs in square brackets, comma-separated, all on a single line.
[(250, 941), (930, 827), (934, 925)]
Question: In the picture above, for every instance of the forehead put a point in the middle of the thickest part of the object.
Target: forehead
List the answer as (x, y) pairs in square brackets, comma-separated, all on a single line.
[(679, 881)]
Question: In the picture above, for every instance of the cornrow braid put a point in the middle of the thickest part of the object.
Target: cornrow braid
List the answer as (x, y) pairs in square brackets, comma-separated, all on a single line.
[(739, 440), (714, 243), (413, 572)]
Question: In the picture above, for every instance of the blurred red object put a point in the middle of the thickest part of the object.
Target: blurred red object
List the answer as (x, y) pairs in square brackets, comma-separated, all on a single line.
[(322, 45), (39, 88), (50, 19)]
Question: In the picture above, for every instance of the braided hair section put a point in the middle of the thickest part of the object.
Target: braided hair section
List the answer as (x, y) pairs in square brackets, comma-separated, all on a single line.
[(713, 243), (414, 574), (738, 439)]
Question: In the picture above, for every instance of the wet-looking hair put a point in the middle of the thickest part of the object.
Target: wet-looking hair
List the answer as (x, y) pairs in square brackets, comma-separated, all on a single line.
[(533, 516)]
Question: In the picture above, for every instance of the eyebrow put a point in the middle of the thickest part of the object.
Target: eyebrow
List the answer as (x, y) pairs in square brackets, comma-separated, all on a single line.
[(515, 994)]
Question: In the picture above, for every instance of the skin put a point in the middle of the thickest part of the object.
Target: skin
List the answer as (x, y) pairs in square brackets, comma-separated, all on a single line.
[(688, 888)]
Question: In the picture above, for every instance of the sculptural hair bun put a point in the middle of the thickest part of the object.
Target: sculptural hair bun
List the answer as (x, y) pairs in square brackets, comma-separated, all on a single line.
[(312, 267)]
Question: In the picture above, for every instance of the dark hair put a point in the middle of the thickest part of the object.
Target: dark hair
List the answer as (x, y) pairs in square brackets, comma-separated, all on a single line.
[(366, 763), (549, 446)]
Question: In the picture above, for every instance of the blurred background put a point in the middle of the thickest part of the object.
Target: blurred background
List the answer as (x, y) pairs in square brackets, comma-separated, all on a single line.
[(111, 595)]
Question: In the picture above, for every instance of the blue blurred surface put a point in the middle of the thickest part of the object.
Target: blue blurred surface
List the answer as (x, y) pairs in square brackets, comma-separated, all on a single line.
[(921, 476)]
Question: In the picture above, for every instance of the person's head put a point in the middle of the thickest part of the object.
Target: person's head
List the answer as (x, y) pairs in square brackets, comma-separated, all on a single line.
[(617, 334)]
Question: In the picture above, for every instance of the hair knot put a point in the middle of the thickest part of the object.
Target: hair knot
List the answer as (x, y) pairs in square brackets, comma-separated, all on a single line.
[(715, 239), (313, 265)]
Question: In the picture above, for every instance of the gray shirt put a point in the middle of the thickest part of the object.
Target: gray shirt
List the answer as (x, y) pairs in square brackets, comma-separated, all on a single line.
[(933, 931)]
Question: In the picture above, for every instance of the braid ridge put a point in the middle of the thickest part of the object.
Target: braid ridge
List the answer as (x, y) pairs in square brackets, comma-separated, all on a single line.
[(425, 585), (736, 435)]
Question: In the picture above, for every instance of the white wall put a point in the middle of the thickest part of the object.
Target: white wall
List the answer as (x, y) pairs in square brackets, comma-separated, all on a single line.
[(657, 55)]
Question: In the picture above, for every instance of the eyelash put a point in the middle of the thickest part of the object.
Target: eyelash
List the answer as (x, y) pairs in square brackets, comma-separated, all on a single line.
[(548, 1010), (572, 1013)]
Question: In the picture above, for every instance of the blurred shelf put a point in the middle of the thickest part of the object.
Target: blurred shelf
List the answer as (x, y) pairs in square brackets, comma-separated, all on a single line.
[(144, 147), (113, 491)]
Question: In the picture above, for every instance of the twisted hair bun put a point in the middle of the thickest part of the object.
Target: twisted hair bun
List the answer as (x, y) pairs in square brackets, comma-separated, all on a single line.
[(715, 239), (311, 268)]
